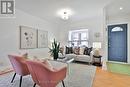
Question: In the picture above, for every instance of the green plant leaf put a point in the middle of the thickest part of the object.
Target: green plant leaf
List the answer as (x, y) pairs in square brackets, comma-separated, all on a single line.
[(55, 48)]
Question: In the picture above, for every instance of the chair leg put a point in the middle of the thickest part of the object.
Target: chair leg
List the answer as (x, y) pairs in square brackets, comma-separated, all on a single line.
[(13, 78), (20, 81), (34, 85), (63, 83)]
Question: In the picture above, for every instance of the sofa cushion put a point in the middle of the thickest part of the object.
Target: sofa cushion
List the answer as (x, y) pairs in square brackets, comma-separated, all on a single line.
[(83, 58)]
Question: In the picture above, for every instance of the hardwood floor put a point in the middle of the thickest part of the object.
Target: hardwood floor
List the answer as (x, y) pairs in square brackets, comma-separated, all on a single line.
[(107, 79)]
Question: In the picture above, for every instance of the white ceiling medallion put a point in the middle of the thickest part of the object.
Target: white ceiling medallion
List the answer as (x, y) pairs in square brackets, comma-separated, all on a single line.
[(65, 13)]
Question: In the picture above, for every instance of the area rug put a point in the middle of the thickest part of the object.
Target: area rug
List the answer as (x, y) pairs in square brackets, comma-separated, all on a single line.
[(78, 75), (4, 70), (118, 68)]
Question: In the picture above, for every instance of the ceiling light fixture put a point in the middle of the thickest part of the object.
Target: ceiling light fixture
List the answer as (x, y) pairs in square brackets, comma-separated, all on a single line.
[(65, 13), (65, 16), (121, 8)]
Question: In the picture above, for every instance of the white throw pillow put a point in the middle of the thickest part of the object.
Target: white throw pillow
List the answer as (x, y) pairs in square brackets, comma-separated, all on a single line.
[(81, 50)]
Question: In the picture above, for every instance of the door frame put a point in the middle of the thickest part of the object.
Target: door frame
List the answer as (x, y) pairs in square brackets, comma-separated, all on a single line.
[(127, 42)]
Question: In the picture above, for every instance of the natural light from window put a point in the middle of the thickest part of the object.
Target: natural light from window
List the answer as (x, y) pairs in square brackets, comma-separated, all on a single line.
[(78, 37)]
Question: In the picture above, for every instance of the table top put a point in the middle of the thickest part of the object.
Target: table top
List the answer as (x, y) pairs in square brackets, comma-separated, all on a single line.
[(57, 64)]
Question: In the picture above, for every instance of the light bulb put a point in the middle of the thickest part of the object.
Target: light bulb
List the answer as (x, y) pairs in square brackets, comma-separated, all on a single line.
[(121, 8)]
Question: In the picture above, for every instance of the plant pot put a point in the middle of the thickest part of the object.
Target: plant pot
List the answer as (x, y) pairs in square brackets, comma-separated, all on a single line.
[(55, 56)]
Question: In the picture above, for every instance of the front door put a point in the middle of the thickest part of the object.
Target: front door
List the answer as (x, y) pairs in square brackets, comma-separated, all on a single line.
[(117, 43)]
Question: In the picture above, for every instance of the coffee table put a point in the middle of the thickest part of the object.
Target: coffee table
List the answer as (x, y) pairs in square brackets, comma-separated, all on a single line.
[(65, 60)]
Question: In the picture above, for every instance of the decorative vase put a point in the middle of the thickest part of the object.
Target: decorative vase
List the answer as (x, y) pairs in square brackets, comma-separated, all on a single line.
[(55, 56)]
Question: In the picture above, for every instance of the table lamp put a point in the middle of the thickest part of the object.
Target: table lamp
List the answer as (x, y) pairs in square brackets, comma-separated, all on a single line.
[(96, 46)]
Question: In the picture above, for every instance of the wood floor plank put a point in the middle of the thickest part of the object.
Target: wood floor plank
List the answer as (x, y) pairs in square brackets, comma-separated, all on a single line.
[(107, 79)]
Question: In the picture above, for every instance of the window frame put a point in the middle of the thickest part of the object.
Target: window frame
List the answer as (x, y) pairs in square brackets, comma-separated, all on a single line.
[(79, 41)]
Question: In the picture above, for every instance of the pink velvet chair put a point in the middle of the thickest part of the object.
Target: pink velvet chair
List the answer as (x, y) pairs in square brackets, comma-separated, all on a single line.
[(45, 77), (19, 66)]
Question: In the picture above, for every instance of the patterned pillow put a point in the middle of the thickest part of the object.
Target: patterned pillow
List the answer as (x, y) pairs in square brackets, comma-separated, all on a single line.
[(87, 51), (77, 50), (69, 50)]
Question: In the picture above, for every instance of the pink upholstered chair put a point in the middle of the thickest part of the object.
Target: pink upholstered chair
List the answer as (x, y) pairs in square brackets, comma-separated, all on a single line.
[(19, 66), (43, 76)]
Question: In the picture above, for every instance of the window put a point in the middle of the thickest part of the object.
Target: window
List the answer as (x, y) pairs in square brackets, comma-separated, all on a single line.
[(78, 37), (117, 29)]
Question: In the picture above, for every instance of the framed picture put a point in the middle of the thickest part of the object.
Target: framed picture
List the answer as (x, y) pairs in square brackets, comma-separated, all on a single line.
[(28, 37), (42, 38)]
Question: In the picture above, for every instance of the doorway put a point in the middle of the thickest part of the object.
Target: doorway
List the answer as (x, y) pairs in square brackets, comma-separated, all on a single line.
[(117, 43)]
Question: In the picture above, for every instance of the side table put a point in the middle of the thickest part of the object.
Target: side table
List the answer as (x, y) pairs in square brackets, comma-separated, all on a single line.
[(97, 60)]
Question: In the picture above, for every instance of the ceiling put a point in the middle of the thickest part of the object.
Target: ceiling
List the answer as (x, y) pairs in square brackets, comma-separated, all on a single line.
[(113, 9), (47, 9)]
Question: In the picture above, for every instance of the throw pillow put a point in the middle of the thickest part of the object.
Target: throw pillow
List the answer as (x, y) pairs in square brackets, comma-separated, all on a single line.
[(62, 50), (69, 50), (87, 50), (81, 50), (77, 50)]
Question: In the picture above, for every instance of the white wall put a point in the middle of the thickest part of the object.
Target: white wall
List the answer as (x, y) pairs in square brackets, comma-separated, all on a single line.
[(9, 31), (121, 19)]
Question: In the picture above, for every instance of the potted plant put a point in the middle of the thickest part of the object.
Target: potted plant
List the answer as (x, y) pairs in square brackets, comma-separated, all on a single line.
[(54, 50)]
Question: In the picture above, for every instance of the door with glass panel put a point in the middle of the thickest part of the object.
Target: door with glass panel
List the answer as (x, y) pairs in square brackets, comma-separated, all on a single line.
[(117, 43)]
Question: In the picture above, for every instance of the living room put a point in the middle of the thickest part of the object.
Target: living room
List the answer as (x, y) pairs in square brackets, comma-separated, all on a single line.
[(60, 20)]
